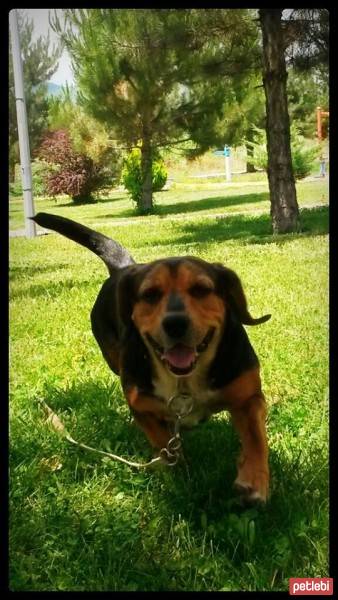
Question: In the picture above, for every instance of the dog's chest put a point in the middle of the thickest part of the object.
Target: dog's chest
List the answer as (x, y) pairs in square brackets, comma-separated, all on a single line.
[(195, 387)]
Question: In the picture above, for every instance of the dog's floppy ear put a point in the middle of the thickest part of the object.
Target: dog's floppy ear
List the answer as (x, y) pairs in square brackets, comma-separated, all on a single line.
[(127, 292), (230, 288)]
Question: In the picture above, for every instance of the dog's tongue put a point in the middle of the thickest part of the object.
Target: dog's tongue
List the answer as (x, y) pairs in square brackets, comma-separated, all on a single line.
[(180, 356)]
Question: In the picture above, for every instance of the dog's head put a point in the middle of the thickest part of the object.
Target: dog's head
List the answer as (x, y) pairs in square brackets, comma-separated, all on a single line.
[(179, 306)]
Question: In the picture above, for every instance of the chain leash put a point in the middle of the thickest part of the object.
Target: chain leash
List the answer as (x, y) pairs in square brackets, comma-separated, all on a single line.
[(180, 404)]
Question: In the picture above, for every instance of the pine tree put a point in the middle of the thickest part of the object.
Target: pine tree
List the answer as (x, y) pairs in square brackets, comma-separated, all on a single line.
[(284, 206), (39, 64), (247, 113), (306, 36), (302, 40), (157, 76), (306, 90)]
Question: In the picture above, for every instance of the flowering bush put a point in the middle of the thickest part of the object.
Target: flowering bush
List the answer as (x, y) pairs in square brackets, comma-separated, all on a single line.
[(132, 175), (70, 172)]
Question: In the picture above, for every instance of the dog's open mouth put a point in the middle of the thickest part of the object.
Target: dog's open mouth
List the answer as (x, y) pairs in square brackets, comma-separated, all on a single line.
[(180, 358)]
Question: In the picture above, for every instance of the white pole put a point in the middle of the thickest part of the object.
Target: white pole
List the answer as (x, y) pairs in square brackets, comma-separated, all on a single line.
[(25, 159), (227, 165)]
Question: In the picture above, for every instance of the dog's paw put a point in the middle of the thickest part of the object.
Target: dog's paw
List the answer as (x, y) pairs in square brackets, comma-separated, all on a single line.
[(253, 490)]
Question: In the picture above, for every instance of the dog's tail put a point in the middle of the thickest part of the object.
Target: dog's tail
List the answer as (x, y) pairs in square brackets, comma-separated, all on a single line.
[(111, 252)]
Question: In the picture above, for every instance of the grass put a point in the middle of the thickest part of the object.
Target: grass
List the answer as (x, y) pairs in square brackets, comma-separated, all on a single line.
[(79, 522), (203, 197)]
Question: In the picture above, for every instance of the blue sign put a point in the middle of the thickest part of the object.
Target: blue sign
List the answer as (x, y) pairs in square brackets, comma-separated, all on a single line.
[(225, 152)]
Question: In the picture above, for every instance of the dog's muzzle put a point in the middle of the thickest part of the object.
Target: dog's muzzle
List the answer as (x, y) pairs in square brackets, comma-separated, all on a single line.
[(180, 358)]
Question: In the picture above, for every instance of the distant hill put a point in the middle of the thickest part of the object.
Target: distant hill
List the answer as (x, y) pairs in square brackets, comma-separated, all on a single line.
[(53, 88)]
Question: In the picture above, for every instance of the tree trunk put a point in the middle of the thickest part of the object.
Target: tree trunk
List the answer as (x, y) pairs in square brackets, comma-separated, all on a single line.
[(146, 201), (284, 207), (249, 153)]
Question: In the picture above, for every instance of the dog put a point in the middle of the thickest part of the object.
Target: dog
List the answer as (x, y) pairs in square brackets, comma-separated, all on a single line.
[(174, 327)]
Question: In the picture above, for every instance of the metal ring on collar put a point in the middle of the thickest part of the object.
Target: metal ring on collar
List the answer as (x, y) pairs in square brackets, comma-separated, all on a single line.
[(181, 404)]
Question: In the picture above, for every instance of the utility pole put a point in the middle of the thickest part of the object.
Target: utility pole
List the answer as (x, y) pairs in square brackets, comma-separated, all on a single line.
[(25, 158)]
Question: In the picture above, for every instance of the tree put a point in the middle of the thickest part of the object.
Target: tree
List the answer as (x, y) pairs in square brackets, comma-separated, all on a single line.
[(89, 137), (39, 64), (81, 156), (244, 115), (232, 74), (306, 90), (304, 154), (154, 74), (284, 206), (306, 40)]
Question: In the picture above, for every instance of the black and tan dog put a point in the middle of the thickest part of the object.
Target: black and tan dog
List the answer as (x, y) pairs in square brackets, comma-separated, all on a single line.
[(178, 323)]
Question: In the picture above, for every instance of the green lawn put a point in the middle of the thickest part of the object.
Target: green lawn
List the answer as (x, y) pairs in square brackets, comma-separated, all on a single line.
[(80, 522), (192, 197)]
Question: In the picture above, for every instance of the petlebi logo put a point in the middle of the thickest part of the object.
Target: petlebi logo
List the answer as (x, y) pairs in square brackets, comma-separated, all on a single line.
[(311, 586)]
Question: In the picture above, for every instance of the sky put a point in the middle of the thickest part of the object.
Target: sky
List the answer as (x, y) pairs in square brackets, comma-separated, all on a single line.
[(39, 17)]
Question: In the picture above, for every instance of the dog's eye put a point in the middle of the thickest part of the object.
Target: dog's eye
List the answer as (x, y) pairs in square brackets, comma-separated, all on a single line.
[(200, 290), (151, 295)]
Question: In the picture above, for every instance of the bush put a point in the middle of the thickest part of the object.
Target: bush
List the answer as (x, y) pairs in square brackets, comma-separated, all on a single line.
[(70, 172), (132, 175), (303, 159), (304, 156), (38, 180)]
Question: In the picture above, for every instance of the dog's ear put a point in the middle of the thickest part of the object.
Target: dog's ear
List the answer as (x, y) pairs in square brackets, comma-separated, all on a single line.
[(126, 291), (229, 286), (128, 284)]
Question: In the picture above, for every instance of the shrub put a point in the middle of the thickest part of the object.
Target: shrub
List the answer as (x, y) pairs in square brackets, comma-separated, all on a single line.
[(304, 156), (70, 172), (132, 175), (88, 137), (38, 180)]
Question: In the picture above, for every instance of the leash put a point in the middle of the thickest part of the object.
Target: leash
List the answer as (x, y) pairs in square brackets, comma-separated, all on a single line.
[(169, 455)]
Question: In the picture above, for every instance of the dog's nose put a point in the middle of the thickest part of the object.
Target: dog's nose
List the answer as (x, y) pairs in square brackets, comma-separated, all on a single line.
[(175, 325)]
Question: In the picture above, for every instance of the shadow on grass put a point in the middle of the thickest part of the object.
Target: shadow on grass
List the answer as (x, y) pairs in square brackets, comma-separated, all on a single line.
[(54, 289), (210, 203), (93, 506), (100, 412), (30, 270), (205, 479), (95, 201), (213, 509), (242, 228), (249, 229), (191, 206), (97, 413), (122, 214)]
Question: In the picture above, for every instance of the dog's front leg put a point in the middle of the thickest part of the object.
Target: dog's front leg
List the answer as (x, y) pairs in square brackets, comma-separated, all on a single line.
[(150, 413), (253, 471)]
